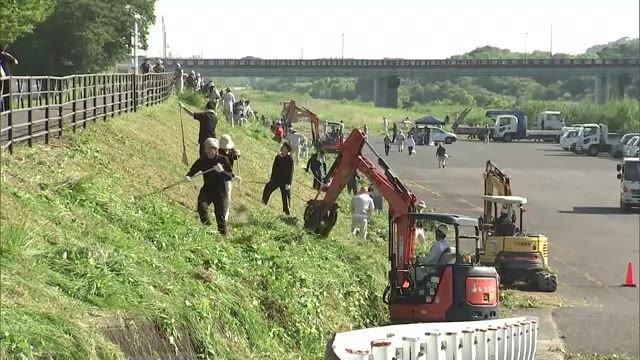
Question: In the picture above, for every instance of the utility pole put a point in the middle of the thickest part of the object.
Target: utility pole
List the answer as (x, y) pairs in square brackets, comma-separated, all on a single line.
[(525, 46), (342, 46), (551, 41), (301, 53), (135, 46), (164, 41)]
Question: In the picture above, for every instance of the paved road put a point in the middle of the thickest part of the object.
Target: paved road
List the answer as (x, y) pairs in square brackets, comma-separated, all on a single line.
[(573, 199)]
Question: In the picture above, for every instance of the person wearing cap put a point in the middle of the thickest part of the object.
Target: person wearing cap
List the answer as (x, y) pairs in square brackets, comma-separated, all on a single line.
[(281, 177), (228, 100), (362, 207), (439, 247), (505, 223), (159, 67), (227, 149), (213, 190), (208, 122), (294, 140), (178, 76)]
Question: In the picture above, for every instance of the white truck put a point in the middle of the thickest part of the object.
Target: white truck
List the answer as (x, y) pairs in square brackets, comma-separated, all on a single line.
[(512, 125), (550, 120), (568, 139), (593, 139), (629, 175)]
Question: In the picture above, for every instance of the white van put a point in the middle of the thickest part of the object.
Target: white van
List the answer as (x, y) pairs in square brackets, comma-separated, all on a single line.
[(439, 135), (629, 175), (631, 147)]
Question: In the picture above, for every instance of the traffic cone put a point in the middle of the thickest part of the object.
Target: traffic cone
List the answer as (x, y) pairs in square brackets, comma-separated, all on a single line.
[(628, 281)]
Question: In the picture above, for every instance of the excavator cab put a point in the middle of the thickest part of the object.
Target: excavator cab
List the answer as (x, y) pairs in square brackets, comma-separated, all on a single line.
[(446, 284), (333, 136)]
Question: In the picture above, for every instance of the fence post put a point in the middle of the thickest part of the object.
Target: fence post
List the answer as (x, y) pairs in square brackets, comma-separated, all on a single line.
[(104, 97), (30, 112), (95, 97), (135, 92), (113, 96), (84, 101), (60, 106), (47, 102), (10, 115), (74, 106)]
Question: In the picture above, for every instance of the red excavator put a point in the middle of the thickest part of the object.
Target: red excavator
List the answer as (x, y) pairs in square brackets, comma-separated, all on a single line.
[(455, 288), (332, 136)]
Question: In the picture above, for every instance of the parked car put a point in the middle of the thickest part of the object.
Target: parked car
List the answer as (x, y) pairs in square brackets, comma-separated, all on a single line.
[(617, 150)]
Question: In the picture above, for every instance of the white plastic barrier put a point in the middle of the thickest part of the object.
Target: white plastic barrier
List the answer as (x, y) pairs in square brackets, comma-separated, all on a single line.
[(503, 339)]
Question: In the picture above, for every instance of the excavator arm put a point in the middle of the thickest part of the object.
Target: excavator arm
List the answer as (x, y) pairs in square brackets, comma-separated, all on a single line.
[(291, 113), (321, 214), (494, 181)]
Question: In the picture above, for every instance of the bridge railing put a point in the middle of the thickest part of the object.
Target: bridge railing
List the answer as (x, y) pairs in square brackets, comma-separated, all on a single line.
[(404, 63), (34, 107)]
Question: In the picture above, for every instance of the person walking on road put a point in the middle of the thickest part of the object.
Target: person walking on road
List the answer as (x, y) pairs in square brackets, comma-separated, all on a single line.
[(411, 145), (178, 77), (387, 144), (318, 169), (400, 139), (213, 190), (362, 207), (385, 123), (486, 133), (281, 177), (441, 154), (208, 122), (394, 132), (227, 149)]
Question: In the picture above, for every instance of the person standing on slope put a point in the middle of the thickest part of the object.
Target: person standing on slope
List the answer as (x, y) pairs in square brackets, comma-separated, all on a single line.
[(318, 169), (213, 190), (208, 122), (227, 149), (281, 177)]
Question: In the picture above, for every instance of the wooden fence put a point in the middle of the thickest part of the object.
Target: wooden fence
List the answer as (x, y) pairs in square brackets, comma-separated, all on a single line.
[(38, 107)]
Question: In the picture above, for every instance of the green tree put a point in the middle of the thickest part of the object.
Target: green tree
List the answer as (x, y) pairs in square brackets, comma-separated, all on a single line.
[(19, 17), (83, 36)]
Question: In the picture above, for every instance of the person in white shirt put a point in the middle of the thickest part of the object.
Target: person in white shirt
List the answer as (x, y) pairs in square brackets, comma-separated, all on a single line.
[(228, 100), (439, 247), (411, 144), (385, 122), (362, 208), (400, 140), (294, 140)]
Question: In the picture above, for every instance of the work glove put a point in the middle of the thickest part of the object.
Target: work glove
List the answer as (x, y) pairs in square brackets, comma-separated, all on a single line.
[(287, 187), (218, 168), (187, 178)]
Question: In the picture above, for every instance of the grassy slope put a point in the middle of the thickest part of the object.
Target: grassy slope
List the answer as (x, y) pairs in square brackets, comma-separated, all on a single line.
[(78, 251)]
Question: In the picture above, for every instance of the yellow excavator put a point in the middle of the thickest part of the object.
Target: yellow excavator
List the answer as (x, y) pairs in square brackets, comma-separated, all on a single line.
[(517, 255)]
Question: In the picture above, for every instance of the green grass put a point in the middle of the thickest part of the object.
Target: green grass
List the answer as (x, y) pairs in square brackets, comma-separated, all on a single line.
[(80, 251)]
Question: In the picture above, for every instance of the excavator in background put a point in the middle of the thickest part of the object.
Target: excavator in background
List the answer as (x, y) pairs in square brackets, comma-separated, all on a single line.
[(332, 135), (517, 255), (455, 288)]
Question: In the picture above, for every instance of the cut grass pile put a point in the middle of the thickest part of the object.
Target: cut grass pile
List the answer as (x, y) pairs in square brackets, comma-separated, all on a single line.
[(81, 251)]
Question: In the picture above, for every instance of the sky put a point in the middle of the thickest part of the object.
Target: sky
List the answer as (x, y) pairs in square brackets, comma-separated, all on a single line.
[(374, 29)]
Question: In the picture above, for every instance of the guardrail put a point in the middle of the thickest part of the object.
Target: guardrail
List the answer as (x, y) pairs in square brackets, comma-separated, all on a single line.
[(33, 107), (503, 339)]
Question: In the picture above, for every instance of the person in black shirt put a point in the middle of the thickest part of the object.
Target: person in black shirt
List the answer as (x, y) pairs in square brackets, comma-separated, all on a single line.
[(318, 169), (441, 154), (208, 122), (213, 190), (281, 177)]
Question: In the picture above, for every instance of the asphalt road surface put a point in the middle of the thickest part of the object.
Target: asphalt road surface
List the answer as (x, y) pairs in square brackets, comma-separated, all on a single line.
[(574, 200)]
